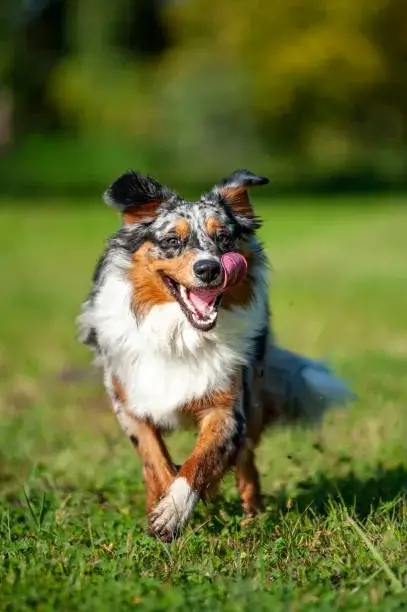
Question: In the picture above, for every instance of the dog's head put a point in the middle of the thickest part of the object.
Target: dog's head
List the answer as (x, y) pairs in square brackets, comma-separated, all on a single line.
[(195, 253)]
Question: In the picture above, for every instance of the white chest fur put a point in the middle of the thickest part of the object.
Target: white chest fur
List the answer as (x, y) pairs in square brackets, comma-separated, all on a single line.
[(160, 382), (162, 361)]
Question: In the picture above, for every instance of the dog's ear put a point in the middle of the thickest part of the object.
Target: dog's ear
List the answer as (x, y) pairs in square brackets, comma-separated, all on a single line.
[(233, 190), (136, 196)]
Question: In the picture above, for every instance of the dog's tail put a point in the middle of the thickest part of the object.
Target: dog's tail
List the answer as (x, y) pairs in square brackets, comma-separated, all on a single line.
[(308, 387)]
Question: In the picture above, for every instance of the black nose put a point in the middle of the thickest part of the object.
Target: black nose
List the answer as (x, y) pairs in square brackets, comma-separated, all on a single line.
[(207, 269)]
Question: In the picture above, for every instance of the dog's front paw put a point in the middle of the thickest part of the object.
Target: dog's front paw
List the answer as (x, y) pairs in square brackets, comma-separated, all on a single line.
[(172, 511)]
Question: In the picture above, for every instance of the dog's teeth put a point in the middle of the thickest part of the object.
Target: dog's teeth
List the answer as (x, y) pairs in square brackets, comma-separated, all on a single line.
[(184, 294), (198, 317), (207, 317)]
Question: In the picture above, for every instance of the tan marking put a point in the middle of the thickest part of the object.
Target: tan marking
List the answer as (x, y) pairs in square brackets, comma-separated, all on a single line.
[(212, 225), (146, 276), (138, 213), (181, 228), (158, 469), (238, 199), (119, 391), (217, 400), (208, 462), (247, 481)]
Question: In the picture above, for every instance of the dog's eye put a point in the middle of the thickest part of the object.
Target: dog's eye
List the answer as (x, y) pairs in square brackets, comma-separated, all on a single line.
[(225, 241), (170, 242)]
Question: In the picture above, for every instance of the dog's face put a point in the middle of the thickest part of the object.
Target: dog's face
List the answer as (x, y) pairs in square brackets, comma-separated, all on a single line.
[(194, 253)]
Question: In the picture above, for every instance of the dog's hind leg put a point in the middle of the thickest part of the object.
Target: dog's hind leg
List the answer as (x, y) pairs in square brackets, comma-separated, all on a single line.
[(247, 476), (158, 469), (248, 483), (260, 408)]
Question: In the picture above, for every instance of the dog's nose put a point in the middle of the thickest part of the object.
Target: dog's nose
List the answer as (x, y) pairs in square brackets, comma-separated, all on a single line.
[(207, 269)]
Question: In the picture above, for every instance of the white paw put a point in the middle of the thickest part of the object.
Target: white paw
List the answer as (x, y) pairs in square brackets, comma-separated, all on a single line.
[(173, 510)]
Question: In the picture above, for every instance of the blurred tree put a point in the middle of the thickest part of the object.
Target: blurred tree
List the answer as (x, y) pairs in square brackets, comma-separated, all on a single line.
[(104, 84), (307, 62), (80, 40), (318, 87), (36, 34), (387, 101), (6, 59), (317, 72)]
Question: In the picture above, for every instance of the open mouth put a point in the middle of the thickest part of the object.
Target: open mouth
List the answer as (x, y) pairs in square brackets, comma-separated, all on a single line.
[(200, 306)]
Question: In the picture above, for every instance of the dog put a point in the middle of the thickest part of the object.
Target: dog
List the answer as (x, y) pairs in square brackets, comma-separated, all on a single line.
[(178, 318)]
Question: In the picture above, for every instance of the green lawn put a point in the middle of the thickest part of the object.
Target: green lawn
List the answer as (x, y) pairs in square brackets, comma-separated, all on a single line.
[(72, 525)]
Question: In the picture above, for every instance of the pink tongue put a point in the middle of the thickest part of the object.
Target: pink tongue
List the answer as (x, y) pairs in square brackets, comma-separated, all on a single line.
[(234, 267)]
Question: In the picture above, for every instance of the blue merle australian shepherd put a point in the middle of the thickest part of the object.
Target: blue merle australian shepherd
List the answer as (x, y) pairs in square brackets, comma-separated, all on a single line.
[(178, 318)]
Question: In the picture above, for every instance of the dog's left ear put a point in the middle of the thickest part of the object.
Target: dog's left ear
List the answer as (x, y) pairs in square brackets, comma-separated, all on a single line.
[(136, 196), (234, 191)]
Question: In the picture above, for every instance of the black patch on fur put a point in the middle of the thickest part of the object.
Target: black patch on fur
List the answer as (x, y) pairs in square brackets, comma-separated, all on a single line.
[(223, 448), (239, 433), (92, 338), (131, 238), (133, 188), (243, 178), (99, 267), (134, 441), (260, 345), (246, 390)]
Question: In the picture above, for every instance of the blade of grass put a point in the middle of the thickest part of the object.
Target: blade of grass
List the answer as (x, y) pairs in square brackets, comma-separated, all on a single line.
[(31, 509), (395, 582)]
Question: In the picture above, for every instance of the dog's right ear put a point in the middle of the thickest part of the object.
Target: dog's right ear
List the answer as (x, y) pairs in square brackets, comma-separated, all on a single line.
[(136, 196), (234, 191)]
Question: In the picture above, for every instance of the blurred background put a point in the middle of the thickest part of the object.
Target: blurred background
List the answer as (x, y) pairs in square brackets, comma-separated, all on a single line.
[(312, 92)]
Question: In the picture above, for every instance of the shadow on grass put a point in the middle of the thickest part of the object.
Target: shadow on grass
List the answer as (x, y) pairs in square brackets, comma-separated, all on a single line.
[(361, 495)]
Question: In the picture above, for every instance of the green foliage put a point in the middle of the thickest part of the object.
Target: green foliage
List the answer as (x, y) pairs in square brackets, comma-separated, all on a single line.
[(314, 90), (313, 71), (108, 96), (319, 50), (72, 525)]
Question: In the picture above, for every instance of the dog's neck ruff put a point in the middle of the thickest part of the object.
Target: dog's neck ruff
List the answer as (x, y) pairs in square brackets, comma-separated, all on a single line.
[(162, 361)]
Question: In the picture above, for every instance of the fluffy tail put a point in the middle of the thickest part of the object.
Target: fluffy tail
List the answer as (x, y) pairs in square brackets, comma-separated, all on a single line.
[(308, 387)]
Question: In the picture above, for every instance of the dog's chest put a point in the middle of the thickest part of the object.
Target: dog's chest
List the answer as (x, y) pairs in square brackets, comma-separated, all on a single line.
[(158, 387), (164, 363)]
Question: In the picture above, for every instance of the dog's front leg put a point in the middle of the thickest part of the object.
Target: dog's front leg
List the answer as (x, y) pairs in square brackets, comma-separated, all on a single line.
[(158, 469), (222, 428)]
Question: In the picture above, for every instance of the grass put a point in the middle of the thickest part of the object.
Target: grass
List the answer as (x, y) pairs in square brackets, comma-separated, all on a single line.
[(72, 526)]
